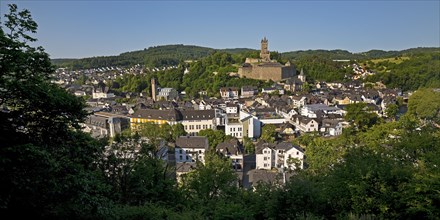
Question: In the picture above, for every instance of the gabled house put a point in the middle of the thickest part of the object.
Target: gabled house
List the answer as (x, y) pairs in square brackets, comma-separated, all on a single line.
[(286, 129), (355, 98), (231, 108), (105, 124), (229, 92), (299, 101), (232, 149), (196, 120), (167, 94), (331, 127), (341, 100), (102, 93), (286, 112), (289, 156), (293, 85), (265, 155), (305, 124), (191, 149), (248, 91), (370, 96), (234, 126)]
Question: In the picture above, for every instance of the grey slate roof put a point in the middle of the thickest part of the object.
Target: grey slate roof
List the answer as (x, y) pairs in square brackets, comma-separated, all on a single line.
[(261, 145), (287, 146), (185, 167), (197, 114), (192, 142), (168, 114), (231, 147), (96, 121)]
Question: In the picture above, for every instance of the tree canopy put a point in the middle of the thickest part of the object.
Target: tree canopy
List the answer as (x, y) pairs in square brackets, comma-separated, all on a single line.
[(45, 161)]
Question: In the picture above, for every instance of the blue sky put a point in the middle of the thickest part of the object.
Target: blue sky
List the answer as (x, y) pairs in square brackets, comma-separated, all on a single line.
[(74, 29)]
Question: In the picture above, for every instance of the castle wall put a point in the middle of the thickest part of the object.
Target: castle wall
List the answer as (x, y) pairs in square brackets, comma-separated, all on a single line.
[(244, 71), (275, 73)]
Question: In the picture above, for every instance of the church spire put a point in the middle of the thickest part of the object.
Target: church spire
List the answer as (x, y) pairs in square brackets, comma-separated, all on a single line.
[(301, 76)]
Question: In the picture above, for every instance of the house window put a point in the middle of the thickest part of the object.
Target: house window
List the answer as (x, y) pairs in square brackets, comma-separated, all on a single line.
[(297, 153), (180, 157), (187, 157), (265, 158)]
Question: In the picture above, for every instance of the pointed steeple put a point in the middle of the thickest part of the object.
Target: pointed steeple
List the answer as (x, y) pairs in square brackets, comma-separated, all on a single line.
[(301, 76)]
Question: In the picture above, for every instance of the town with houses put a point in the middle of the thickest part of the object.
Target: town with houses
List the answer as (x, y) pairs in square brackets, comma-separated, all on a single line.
[(240, 113), (177, 110)]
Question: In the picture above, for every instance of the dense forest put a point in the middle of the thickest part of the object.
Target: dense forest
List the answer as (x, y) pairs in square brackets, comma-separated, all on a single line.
[(158, 56), (407, 72), (52, 170)]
